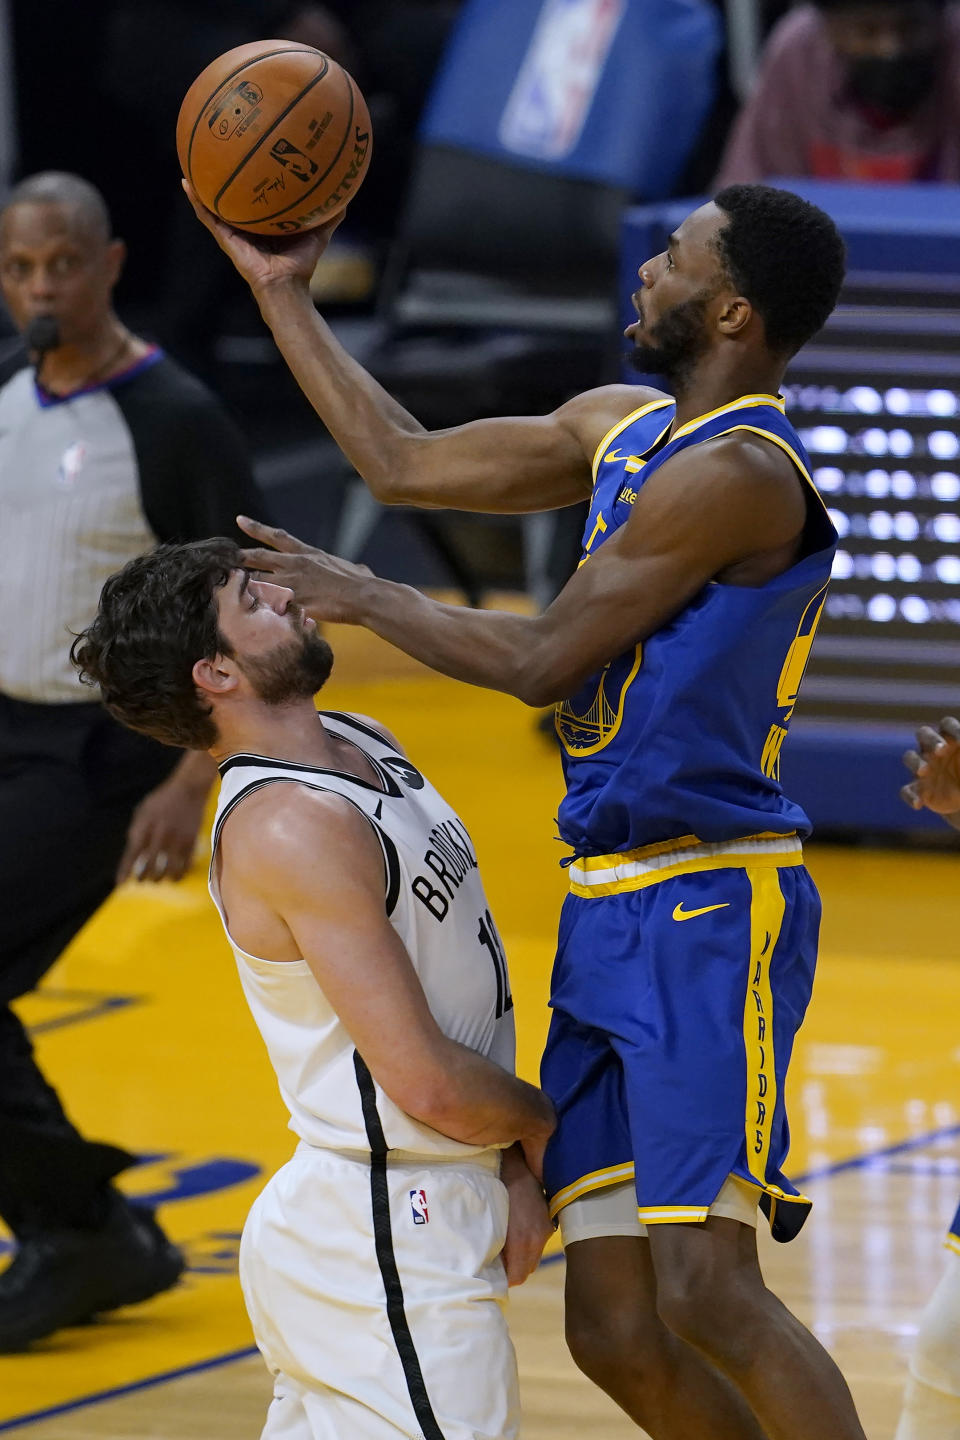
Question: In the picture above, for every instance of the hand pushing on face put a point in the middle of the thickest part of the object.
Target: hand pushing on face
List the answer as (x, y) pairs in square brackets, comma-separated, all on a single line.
[(323, 584)]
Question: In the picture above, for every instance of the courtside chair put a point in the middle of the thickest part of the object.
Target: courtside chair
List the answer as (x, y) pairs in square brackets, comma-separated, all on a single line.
[(546, 117)]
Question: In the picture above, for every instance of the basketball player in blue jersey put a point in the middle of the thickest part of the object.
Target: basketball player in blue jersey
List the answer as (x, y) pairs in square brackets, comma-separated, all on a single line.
[(931, 1408), (351, 897), (674, 655)]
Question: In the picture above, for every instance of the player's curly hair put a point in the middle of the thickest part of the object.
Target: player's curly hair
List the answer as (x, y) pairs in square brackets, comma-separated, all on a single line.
[(157, 617), (785, 256)]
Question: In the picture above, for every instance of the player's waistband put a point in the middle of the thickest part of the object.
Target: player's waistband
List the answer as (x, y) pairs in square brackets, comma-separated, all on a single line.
[(481, 1159), (594, 875)]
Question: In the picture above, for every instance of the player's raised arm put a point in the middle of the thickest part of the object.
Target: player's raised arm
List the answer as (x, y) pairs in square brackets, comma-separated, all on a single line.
[(318, 866), (682, 533), (513, 465)]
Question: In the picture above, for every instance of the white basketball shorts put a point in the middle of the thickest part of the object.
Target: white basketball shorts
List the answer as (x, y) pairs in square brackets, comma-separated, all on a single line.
[(377, 1297)]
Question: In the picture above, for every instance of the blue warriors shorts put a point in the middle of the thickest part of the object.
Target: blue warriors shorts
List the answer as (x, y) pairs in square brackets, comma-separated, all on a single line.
[(676, 995), (953, 1235)]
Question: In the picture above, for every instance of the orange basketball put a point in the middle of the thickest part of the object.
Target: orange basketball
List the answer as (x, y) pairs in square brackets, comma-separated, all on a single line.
[(274, 137)]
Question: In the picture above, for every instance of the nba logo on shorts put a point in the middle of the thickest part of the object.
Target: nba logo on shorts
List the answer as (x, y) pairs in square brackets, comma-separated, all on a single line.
[(418, 1204)]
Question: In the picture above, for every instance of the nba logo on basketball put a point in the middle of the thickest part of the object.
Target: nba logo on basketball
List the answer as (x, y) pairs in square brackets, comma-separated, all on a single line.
[(418, 1204)]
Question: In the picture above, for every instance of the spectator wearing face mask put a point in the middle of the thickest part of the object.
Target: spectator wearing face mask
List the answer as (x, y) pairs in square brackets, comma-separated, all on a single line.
[(854, 90)]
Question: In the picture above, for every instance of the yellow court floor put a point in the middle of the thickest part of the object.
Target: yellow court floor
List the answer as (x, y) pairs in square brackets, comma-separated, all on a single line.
[(143, 1028)]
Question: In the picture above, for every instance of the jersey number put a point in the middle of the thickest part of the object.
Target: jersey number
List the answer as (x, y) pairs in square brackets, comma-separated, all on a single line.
[(490, 940)]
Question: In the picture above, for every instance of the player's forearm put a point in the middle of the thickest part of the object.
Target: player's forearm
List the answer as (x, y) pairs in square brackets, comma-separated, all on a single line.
[(368, 425), (511, 465), (473, 1100), (520, 655)]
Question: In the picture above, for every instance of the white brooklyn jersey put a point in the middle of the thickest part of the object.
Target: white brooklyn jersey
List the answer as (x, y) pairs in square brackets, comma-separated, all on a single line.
[(434, 900)]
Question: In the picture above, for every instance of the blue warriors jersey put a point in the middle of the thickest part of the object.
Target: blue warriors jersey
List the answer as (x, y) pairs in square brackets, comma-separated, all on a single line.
[(680, 736), (953, 1235)]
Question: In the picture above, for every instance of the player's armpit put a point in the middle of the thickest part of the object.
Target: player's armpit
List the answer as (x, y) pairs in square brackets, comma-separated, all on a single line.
[(320, 866)]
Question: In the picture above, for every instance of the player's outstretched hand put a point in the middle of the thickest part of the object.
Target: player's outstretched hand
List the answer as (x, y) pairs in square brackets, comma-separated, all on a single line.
[(936, 770), (163, 833), (261, 259), (529, 1226), (321, 583)]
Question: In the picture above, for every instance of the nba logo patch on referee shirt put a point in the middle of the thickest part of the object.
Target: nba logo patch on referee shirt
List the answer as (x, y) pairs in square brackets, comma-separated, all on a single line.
[(418, 1204), (71, 463)]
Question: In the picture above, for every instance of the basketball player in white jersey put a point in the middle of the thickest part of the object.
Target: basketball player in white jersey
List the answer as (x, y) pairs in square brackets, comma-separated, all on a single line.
[(349, 891)]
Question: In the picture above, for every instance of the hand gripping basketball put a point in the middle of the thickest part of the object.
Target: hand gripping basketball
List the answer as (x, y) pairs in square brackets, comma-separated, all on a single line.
[(263, 260)]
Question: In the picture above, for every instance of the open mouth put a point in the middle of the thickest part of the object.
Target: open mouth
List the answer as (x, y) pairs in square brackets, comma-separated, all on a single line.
[(638, 324)]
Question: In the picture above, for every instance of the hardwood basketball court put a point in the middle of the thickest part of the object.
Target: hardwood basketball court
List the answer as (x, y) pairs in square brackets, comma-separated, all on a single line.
[(143, 1026)]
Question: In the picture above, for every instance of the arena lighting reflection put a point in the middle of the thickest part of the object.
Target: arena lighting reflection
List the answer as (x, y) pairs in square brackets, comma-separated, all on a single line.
[(915, 1180), (887, 463)]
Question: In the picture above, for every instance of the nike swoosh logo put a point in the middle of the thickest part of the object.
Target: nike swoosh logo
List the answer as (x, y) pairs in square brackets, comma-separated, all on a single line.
[(613, 455), (680, 914)]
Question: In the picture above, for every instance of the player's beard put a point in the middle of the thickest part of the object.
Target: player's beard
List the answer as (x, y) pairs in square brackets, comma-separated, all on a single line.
[(294, 671), (676, 342)]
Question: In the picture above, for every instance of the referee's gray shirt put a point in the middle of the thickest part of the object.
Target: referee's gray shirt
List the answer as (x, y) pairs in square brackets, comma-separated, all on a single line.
[(87, 483)]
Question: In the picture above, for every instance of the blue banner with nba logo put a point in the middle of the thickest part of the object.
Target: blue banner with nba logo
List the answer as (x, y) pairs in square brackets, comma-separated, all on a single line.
[(608, 90)]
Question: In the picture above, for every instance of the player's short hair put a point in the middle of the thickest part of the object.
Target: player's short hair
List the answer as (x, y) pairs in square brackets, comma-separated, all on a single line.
[(785, 256), (60, 187), (157, 617)]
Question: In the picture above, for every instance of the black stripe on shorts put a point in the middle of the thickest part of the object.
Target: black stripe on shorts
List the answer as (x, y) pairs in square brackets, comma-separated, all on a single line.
[(387, 1260)]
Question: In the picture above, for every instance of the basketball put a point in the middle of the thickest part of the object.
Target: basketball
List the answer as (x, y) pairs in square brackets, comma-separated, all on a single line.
[(274, 137)]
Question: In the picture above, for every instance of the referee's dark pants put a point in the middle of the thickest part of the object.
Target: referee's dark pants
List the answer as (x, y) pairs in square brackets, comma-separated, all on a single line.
[(70, 778)]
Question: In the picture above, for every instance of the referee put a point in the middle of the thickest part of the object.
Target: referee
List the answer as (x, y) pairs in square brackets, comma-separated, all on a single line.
[(106, 448)]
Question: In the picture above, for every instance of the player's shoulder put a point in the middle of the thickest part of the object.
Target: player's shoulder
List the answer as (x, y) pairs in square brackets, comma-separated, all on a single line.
[(290, 824), (594, 413), (376, 729), (748, 453), (745, 469)]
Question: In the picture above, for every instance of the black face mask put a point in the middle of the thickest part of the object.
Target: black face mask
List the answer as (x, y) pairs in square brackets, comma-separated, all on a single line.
[(897, 84)]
